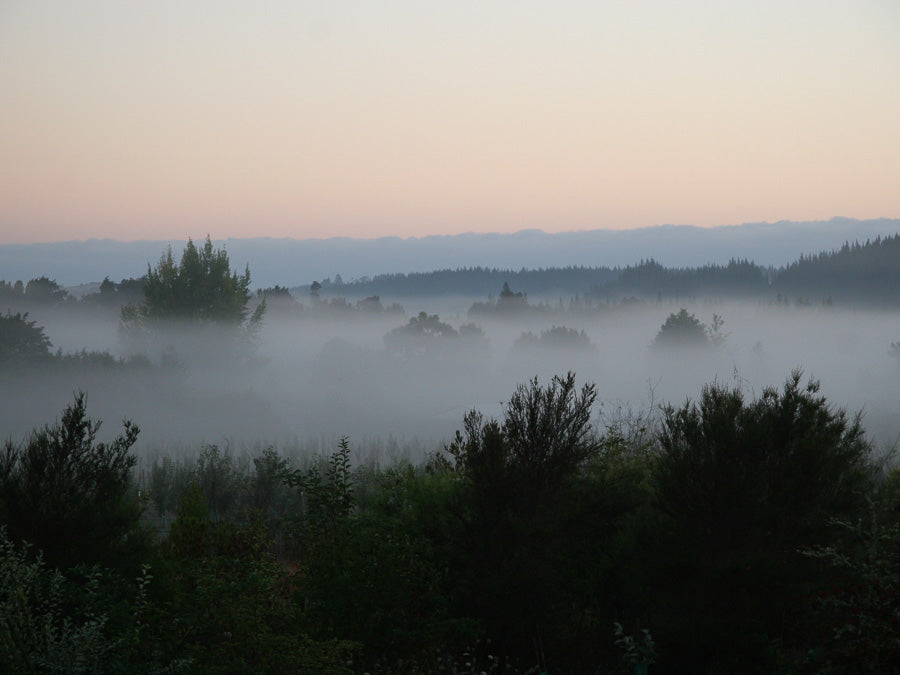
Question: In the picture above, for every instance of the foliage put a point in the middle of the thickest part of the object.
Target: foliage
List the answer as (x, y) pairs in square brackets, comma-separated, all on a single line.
[(328, 498), (737, 528), (519, 513), (775, 466), (11, 291), (714, 331), (50, 623), (545, 436), (556, 337), (858, 272), (69, 495), (227, 607), (218, 481), (200, 287), (35, 635), (114, 295), (857, 616), (21, 339), (45, 291), (739, 278), (278, 298), (424, 334), (680, 330), (636, 651), (745, 483)]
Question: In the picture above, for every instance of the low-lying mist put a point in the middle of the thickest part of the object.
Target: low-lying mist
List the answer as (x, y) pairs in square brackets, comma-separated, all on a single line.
[(399, 387)]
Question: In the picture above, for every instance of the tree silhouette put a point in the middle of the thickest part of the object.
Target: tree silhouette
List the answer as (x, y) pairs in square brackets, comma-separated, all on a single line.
[(680, 330), (21, 339), (200, 287), (423, 334), (69, 495), (517, 476), (45, 291)]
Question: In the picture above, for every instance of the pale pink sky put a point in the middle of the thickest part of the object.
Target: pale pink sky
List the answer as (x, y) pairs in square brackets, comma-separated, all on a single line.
[(168, 119)]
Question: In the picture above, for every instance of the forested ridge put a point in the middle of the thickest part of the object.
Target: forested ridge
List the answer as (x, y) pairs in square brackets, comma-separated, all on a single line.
[(862, 273), (865, 273)]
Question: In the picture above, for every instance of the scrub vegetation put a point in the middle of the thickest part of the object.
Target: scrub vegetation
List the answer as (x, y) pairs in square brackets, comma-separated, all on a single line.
[(742, 527), (727, 534)]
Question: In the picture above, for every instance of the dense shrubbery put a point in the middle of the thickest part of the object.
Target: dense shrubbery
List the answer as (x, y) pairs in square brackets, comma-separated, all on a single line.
[(728, 535)]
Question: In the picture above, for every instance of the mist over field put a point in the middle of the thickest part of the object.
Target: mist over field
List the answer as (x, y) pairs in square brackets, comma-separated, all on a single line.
[(299, 464), (307, 380)]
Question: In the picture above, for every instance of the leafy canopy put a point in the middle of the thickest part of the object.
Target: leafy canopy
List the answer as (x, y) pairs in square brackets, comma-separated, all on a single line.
[(684, 330), (21, 339), (69, 495), (202, 286)]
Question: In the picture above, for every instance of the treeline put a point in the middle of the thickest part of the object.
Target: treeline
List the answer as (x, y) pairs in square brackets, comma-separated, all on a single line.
[(857, 272), (864, 273), (649, 279), (474, 282), (44, 292), (729, 534), (861, 273)]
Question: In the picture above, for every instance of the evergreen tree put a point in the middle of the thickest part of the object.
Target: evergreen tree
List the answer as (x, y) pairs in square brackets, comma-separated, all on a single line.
[(201, 287)]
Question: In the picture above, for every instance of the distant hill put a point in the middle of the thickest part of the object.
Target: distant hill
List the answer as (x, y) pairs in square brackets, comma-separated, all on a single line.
[(862, 272), (293, 262), (475, 282), (866, 273)]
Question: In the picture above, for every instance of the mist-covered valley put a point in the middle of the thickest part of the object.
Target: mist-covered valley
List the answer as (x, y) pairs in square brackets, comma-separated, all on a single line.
[(298, 492), (399, 382)]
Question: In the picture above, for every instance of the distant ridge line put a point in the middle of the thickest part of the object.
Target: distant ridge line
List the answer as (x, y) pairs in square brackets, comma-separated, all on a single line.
[(298, 262)]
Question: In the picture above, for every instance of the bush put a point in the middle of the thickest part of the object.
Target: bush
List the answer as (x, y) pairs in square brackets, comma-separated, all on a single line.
[(522, 516), (71, 496), (777, 467), (682, 330), (746, 484), (53, 624)]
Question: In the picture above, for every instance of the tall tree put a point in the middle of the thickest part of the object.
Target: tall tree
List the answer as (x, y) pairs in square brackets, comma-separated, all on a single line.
[(201, 286)]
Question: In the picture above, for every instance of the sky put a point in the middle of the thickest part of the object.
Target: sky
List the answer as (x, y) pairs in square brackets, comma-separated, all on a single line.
[(175, 118)]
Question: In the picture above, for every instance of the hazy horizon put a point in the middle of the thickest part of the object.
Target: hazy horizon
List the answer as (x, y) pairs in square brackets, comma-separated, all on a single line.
[(297, 262), (318, 119)]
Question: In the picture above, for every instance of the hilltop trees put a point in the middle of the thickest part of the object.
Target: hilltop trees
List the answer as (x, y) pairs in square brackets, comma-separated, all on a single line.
[(200, 291), (201, 287)]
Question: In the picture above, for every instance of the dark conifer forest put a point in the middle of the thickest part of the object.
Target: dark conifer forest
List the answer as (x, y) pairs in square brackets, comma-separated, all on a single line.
[(571, 470)]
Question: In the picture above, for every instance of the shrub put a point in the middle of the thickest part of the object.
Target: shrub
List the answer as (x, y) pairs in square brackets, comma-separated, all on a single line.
[(682, 330), (69, 495), (745, 484)]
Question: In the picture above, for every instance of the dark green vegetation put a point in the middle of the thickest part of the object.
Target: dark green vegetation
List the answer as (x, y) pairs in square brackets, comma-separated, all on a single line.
[(202, 287), (21, 339), (734, 533), (683, 330), (857, 273), (729, 534)]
